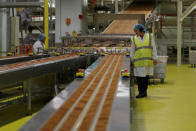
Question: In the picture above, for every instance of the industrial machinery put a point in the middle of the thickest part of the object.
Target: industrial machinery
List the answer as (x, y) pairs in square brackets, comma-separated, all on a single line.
[(192, 58), (57, 53), (9, 54), (81, 54), (125, 73), (80, 73), (31, 53), (160, 69), (104, 89), (102, 53), (35, 75), (127, 54), (101, 88)]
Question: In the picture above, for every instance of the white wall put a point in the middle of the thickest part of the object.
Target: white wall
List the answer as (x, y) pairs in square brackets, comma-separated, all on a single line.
[(67, 9)]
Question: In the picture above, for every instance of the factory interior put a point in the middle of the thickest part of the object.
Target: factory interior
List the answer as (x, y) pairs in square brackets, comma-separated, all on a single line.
[(82, 77)]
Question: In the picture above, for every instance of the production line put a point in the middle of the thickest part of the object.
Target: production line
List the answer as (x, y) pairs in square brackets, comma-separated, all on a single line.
[(96, 99), (97, 65), (15, 59), (41, 73)]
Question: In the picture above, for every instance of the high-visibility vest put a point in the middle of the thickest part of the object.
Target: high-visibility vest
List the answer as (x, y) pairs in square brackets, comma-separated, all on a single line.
[(143, 52)]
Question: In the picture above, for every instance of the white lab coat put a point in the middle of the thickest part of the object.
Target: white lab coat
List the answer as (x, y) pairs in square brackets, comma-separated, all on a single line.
[(143, 71), (38, 48)]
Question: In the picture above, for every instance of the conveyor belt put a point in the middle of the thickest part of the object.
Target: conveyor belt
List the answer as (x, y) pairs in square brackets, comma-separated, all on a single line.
[(89, 106), (30, 63), (90, 85), (14, 59), (126, 26), (24, 70), (5, 57)]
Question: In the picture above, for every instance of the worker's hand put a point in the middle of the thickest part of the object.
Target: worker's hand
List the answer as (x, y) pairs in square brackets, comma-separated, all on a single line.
[(155, 62)]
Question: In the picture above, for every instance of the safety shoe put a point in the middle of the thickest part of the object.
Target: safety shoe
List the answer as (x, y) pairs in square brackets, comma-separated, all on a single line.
[(141, 95)]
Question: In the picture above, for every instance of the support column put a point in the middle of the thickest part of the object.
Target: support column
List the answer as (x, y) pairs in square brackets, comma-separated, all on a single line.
[(153, 28), (58, 30), (51, 25), (46, 22), (154, 31), (101, 2), (123, 5), (56, 85), (27, 88), (116, 6), (84, 21), (179, 34), (3, 31)]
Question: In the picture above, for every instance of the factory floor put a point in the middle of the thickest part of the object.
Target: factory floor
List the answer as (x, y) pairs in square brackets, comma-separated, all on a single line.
[(14, 117), (170, 106)]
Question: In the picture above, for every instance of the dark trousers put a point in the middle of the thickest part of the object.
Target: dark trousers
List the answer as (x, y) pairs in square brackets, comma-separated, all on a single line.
[(142, 84)]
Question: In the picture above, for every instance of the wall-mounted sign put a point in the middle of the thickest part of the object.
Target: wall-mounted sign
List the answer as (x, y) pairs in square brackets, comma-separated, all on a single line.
[(68, 21)]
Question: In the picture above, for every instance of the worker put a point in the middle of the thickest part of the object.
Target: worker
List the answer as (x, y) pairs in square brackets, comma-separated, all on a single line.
[(143, 57), (38, 46)]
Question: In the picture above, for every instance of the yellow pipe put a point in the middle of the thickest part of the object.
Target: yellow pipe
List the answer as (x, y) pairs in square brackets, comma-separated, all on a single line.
[(46, 22)]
